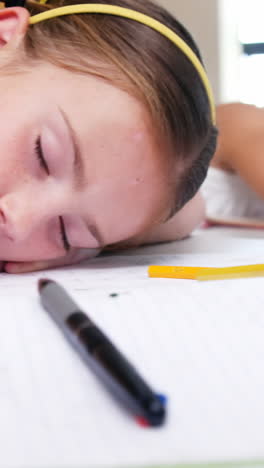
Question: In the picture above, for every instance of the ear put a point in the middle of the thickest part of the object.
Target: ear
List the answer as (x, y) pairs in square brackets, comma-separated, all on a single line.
[(13, 25)]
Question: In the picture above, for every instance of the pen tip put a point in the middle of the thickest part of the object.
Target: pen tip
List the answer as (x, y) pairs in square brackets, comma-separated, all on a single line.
[(42, 282), (142, 421)]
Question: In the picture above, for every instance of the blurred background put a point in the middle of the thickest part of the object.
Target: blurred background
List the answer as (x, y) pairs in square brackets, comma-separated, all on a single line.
[(230, 34)]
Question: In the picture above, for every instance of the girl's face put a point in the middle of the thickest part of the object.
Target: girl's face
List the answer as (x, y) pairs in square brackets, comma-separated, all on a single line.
[(79, 166)]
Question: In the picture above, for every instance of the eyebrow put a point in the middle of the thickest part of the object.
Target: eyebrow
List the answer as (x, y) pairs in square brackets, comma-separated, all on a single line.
[(79, 179), (78, 165)]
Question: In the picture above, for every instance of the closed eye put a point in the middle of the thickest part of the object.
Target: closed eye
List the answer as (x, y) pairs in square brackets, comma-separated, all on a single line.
[(40, 156), (43, 164), (65, 242)]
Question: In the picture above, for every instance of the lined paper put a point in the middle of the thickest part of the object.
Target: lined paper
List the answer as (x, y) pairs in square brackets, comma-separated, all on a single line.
[(201, 344)]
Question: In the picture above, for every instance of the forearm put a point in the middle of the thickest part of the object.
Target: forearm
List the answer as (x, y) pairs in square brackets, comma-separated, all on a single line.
[(241, 143)]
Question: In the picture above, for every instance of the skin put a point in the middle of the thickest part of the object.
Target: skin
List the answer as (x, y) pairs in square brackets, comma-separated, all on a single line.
[(241, 143), (113, 188)]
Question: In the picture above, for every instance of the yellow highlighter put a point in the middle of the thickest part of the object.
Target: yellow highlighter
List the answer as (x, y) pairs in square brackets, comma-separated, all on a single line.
[(206, 273)]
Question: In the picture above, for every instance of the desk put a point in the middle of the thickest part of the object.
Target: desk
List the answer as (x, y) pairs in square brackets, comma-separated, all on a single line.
[(201, 344)]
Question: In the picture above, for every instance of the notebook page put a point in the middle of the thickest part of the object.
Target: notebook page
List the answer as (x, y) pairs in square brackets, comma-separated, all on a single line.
[(205, 354)]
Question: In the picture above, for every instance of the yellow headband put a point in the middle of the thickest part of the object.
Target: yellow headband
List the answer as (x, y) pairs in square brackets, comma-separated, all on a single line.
[(140, 18)]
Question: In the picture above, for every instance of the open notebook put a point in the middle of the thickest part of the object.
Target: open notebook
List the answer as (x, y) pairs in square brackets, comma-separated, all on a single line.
[(202, 344)]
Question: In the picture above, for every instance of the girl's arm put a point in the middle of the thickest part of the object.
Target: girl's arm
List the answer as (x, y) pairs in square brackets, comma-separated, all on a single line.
[(240, 146)]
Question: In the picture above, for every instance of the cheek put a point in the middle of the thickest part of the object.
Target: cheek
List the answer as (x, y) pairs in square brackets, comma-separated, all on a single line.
[(124, 213), (34, 248), (31, 250), (139, 137)]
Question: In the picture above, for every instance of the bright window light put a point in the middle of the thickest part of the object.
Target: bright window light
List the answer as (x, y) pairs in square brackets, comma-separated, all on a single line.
[(251, 30)]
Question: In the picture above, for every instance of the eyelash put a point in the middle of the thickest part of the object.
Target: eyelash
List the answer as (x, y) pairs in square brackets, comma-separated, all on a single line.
[(40, 156), (43, 164), (63, 234)]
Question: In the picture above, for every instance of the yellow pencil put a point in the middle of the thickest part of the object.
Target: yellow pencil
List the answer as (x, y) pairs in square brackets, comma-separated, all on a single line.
[(206, 273)]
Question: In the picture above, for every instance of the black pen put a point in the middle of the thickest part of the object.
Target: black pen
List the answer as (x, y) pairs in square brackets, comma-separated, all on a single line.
[(119, 376)]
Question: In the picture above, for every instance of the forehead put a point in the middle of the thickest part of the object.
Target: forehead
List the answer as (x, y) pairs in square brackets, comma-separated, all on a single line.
[(97, 106), (113, 129), (123, 160)]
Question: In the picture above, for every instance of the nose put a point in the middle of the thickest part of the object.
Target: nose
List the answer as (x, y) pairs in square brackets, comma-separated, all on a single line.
[(5, 225), (15, 217), (23, 212)]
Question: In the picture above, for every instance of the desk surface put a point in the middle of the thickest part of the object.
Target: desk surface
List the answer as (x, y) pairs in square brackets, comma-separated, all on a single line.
[(207, 354)]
